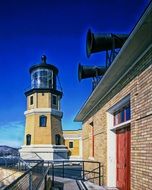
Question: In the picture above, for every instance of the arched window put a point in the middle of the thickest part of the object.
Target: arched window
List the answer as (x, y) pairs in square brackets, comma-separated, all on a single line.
[(57, 139), (28, 139), (31, 100), (43, 120)]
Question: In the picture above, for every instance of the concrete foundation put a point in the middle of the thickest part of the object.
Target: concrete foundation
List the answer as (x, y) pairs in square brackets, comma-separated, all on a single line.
[(44, 152)]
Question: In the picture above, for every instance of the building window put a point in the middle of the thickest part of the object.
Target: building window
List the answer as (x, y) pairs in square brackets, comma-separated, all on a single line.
[(28, 139), (31, 100), (92, 140), (128, 114), (70, 144), (54, 99), (122, 115), (43, 120), (57, 139)]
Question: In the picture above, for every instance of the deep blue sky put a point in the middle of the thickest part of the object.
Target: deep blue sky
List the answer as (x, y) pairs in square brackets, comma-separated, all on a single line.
[(58, 29)]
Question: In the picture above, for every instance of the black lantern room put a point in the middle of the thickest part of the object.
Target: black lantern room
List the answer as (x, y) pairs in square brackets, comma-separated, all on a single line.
[(43, 77)]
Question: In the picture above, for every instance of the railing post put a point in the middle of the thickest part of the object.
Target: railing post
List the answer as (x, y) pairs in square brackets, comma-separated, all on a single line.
[(45, 183), (30, 180), (63, 170), (83, 169), (52, 174), (19, 166), (99, 174)]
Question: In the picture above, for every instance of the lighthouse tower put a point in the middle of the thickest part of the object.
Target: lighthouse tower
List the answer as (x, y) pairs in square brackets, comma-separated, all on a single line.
[(43, 126)]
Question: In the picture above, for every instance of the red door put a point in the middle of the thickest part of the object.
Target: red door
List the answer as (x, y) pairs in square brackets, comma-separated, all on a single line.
[(123, 159)]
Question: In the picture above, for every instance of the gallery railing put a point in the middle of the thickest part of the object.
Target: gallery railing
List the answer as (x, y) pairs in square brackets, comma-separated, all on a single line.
[(30, 179), (40, 174), (76, 169)]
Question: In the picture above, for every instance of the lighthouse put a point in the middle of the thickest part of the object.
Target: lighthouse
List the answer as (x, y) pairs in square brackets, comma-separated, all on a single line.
[(43, 125)]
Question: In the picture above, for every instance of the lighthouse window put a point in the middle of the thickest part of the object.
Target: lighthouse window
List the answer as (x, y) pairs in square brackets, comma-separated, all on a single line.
[(43, 120), (31, 100), (40, 78), (43, 73), (28, 139), (54, 100), (57, 139)]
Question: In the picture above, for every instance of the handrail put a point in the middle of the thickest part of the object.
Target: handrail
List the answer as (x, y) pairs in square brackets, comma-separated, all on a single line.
[(22, 176), (16, 180), (45, 174), (62, 164), (92, 170), (8, 176), (62, 167), (87, 161), (20, 160)]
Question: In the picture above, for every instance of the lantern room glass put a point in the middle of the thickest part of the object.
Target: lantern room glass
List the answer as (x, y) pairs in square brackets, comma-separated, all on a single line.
[(42, 78)]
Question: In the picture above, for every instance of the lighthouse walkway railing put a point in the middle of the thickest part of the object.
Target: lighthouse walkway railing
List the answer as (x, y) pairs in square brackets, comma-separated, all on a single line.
[(19, 174), (31, 179), (84, 170), (40, 174)]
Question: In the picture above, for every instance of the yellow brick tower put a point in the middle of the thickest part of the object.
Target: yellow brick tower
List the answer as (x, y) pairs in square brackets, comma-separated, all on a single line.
[(43, 128)]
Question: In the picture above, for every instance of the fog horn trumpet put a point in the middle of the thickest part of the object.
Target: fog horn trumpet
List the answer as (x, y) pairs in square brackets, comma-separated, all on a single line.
[(90, 71), (103, 42)]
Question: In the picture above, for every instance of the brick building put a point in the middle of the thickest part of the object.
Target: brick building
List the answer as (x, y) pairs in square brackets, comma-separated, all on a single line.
[(117, 117)]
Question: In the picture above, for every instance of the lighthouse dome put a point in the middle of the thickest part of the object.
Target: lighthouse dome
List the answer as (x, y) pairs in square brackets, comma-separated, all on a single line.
[(43, 75)]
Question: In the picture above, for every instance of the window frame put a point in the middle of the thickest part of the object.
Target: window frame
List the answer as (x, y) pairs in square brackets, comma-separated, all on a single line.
[(56, 101), (71, 142), (57, 139), (41, 122), (120, 116), (28, 139), (31, 100)]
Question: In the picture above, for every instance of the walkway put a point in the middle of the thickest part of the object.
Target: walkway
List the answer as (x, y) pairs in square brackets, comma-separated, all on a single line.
[(71, 184), (65, 183), (92, 186)]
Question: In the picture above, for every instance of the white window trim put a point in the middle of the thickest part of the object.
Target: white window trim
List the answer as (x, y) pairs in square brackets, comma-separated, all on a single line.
[(120, 126), (111, 152), (111, 140)]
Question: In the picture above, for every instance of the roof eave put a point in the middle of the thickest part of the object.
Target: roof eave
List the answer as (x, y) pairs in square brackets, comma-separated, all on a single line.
[(125, 57)]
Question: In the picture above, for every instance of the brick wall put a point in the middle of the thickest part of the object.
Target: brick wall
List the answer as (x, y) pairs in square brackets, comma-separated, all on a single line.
[(137, 83), (141, 137), (100, 141)]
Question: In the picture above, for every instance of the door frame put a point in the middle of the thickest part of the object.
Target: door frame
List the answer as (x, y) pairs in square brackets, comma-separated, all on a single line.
[(127, 152), (111, 140)]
